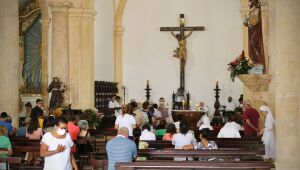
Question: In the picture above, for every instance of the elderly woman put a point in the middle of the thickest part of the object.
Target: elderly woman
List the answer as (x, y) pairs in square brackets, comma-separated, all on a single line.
[(4, 145), (268, 137), (84, 126)]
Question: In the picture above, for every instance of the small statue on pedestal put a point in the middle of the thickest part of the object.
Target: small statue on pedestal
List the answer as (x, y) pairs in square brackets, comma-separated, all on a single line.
[(57, 88)]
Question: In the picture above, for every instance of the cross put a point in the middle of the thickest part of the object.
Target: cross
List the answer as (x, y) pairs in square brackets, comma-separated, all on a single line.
[(180, 52)]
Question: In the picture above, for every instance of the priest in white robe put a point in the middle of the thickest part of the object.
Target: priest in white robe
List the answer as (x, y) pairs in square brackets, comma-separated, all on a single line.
[(268, 137)]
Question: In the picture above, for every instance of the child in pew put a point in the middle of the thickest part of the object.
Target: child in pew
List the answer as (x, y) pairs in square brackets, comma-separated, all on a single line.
[(204, 144), (139, 144)]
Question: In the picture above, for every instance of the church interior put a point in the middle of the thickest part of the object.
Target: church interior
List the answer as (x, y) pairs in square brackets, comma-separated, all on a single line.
[(159, 64)]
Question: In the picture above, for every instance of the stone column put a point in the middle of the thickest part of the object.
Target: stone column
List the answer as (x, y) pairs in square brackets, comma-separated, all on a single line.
[(118, 66), (60, 42), (45, 28), (287, 91), (9, 57), (118, 35), (81, 52)]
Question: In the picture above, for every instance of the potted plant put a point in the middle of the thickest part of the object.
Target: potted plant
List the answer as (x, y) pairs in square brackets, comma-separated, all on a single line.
[(239, 65), (93, 118)]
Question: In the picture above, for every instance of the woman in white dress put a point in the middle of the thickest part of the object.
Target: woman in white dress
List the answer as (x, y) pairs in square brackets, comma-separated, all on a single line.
[(268, 137)]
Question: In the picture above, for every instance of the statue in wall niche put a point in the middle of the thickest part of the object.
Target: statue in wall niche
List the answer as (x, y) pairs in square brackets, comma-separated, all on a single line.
[(256, 47), (57, 89)]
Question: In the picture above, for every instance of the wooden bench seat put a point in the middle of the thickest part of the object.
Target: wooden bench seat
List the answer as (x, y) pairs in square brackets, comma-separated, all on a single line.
[(242, 154), (187, 165), (221, 144)]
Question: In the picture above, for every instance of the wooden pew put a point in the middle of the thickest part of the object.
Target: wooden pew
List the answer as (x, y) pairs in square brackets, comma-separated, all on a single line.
[(193, 165), (11, 161), (242, 154), (221, 144)]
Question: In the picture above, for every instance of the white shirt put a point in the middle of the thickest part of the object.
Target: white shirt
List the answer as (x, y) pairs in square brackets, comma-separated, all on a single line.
[(229, 131), (204, 122), (146, 135), (230, 106), (177, 125), (157, 113), (236, 125), (59, 161), (179, 139), (126, 120)]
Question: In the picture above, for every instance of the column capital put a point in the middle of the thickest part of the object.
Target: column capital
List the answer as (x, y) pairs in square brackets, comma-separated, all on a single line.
[(59, 5), (45, 22), (81, 12)]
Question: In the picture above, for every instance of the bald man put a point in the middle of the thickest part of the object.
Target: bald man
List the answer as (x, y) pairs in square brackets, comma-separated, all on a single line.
[(250, 119), (120, 149)]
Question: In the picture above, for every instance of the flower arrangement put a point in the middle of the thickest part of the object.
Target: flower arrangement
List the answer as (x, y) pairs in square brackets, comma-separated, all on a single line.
[(239, 65)]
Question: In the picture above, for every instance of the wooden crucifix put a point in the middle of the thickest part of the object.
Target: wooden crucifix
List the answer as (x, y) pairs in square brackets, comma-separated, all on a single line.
[(180, 51)]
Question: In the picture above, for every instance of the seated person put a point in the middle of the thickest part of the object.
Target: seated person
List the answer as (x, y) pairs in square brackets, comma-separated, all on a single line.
[(234, 124), (48, 124), (3, 122), (183, 138), (34, 131), (171, 130), (84, 126), (146, 134), (4, 144), (179, 119), (204, 122), (160, 129), (139, 144), (22, 130), (229, 131), (120, 149), (204, 142)]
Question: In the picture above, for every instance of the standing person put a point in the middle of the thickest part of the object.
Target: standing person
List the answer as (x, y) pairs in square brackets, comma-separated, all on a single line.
[(73, 130), (230, 105), (268, 137), (37, 110), (126, 120), (4, 144), (120, 149), (250, 119), (56, 148)]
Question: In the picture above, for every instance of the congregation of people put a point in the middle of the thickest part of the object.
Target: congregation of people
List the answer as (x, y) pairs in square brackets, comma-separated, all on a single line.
[(136, 123)]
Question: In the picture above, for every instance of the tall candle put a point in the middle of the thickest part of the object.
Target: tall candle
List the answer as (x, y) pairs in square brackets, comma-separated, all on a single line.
[(183, 104)]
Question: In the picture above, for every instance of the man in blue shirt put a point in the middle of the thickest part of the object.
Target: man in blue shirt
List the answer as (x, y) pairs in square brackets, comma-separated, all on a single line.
[(120, 149), (3, 122)]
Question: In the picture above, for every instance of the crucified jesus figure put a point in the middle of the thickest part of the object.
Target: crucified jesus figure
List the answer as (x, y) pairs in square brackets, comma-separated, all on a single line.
[(180, 51)]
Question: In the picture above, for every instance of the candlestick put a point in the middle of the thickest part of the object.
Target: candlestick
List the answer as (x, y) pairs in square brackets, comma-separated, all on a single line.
[(183, 104), (191, 104)]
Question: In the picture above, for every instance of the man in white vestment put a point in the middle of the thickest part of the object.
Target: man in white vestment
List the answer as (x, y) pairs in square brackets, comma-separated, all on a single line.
[(115, 104), (230, 105)]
